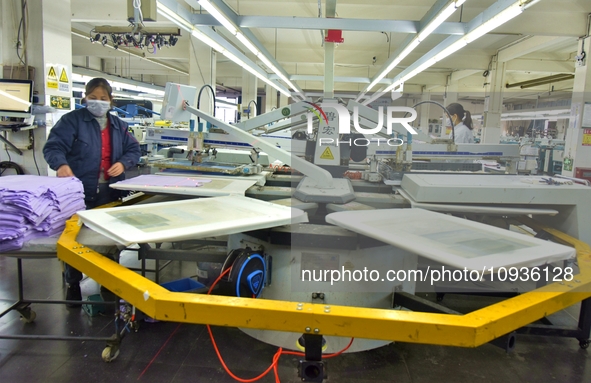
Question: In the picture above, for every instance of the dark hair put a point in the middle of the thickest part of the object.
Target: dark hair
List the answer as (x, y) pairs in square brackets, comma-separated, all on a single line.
[(458, 110), (99, 82)]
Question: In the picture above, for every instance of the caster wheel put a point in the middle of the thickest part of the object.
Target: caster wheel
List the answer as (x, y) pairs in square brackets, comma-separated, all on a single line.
[(584, 344), (28, 316), (110, 353)]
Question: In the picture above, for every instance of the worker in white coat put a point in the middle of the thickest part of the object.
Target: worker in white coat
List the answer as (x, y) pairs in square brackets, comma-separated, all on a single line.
[(462, 122)]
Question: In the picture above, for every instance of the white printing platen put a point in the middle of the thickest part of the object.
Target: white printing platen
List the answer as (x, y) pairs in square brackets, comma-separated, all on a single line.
[(451, 240), (188, 219)]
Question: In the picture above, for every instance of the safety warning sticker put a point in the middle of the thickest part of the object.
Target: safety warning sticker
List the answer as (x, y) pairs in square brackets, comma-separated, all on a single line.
[(327, 154), (51, 78)]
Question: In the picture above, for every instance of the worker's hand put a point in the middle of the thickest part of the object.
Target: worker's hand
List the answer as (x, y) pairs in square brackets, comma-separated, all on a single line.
[(64, 171), (116, 169)]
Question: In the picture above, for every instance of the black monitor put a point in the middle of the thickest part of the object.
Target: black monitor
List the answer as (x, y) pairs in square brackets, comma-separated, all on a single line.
[(16, 98)]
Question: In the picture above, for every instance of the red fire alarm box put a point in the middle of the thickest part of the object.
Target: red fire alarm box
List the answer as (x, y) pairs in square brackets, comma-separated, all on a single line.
[(583, 173), (334, 36)]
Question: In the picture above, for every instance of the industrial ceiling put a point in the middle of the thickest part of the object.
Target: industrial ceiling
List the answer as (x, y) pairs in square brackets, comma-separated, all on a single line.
[(540, 42)]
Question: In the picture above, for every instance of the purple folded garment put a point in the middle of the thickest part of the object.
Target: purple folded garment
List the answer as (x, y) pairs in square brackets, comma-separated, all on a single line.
[(11, 245), (7, 234), (36, 206)]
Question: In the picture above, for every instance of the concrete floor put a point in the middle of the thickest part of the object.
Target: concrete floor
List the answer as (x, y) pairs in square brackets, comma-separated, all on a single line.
[(170, 352)]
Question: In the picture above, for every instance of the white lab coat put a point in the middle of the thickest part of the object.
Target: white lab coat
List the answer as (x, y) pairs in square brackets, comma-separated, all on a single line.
[(463, 134)]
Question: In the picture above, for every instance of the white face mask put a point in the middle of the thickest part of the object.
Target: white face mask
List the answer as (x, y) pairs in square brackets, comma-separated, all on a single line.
[(97, 107)]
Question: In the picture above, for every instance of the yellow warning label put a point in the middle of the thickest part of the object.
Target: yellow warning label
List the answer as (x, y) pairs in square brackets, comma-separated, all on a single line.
[(64, 76), (51, 75), (327, 154)]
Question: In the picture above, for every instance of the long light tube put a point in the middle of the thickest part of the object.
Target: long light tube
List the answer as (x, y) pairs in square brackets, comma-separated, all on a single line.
[(213, 44), (426, 31), (270, 65), (207, 40), (219, 16), (493, 23), (172, 16), (438, 20), (502, 17), (255, 72), (209, 7), (250, 46)]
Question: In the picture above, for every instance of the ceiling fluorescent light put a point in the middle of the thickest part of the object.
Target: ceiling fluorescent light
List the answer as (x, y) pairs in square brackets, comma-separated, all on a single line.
[(274, 69), (172, 16), (124, 95), (437, 21), (207, 40), (429, 28), (489, 25), (247, 43), (530, 3), (409, 48), (209, 7), (219, 16), (427, 64), (392, 86), (255, 72), (494, 22), (218, 47), (122, 85), (451, 49), (80, 78)]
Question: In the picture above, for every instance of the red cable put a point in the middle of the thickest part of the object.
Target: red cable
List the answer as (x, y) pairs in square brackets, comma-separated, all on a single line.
[(159, 351), (217, 351), (276, 357)]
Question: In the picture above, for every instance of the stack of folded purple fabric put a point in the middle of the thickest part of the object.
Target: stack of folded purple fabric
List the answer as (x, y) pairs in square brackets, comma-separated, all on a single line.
[(36, 206)]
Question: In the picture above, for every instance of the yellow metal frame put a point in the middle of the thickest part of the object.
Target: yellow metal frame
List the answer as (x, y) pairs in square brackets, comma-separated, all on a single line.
[(470, 330)]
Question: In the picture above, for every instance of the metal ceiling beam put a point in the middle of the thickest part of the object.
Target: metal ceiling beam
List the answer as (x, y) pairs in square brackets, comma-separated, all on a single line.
[(232, 16), (315, 23), (529, 45), (329, 48), (460, 74), (348, 79), (540, 65)]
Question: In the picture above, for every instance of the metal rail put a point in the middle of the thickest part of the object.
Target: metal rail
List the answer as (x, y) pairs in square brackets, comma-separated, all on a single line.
[(470, 330)]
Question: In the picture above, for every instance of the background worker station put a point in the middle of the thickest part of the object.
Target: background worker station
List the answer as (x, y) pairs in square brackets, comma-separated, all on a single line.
[(299, 190)]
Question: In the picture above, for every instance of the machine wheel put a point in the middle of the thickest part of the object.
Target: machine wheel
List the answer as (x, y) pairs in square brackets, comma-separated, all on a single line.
[(584, 344), (110, 353), (28, 315)]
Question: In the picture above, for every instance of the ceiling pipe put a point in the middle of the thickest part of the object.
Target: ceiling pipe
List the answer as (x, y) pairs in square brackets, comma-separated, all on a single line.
[(541, 81)]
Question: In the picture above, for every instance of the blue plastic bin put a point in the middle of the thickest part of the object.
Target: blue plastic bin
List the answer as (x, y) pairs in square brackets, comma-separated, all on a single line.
[(183, 285)]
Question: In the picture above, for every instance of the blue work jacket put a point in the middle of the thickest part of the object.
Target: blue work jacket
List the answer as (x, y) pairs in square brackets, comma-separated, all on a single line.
[(76, 141)]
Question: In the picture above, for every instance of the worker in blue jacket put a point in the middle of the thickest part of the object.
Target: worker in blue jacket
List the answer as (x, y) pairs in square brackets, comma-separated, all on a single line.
[(94, 146)]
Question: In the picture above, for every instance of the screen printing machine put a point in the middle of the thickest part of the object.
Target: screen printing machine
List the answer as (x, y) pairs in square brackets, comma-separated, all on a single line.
[(290, 222)]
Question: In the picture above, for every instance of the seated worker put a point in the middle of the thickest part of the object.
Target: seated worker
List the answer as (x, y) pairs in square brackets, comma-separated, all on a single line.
[(462, 123), (94, 146)]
